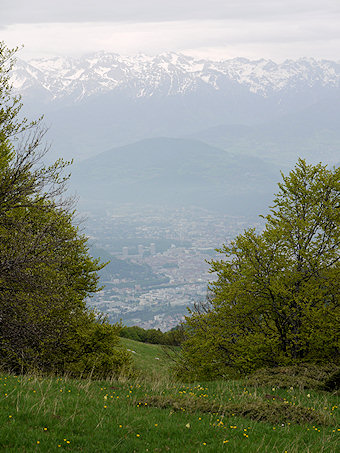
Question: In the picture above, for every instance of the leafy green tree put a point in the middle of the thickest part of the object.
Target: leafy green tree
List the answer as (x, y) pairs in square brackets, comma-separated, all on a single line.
[(46, 272), (276, 298), (173, 337)]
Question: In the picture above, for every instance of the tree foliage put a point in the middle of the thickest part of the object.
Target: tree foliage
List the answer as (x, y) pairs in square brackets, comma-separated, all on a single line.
[(172, 337), (46, 272), (276, 298)]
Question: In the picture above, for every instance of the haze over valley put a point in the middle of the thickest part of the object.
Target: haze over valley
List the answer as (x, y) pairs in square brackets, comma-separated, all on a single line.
[(174, 156)]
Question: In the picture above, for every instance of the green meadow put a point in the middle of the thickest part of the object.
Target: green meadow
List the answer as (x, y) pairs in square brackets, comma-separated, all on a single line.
[(152, 412), (150, 359)]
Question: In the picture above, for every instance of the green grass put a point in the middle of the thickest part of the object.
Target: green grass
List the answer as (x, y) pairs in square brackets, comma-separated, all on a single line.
[(157, 415), (151, 412), (150, 358)]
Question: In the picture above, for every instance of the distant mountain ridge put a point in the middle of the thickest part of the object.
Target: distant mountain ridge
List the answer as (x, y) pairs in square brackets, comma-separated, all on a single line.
[(176, 173), (260, 108), (168, 74)]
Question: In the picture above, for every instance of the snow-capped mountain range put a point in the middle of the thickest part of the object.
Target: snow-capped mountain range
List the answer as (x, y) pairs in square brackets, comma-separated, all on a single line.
[(168, 74), (104, 100)]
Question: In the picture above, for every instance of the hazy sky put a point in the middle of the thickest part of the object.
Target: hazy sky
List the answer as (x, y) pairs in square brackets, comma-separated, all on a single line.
[(276, 29)]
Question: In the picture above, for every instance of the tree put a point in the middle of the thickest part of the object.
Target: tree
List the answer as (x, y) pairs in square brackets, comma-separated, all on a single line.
[(276, 298), (46, 272)]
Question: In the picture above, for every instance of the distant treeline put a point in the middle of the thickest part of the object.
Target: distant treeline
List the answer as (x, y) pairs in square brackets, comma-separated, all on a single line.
[(173, 337)]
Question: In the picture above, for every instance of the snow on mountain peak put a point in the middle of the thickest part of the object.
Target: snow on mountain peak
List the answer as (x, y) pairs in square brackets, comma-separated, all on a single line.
[(167, 74)]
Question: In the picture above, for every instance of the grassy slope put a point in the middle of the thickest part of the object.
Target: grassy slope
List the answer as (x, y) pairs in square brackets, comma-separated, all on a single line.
[(154, 414), (149, 358)]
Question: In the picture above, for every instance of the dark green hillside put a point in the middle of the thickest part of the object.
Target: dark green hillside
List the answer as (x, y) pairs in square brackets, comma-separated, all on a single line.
[(118, 268), (177, 172)]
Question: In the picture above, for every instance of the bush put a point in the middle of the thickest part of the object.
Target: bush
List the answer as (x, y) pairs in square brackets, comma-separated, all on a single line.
[(173, 337), (332, 382), (94, 351)]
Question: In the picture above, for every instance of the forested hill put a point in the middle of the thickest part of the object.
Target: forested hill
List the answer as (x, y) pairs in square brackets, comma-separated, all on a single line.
[(125, 269)]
